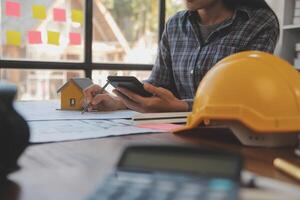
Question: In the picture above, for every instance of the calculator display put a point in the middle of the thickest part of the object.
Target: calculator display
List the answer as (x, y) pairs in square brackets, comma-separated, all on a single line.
[(200, 162)]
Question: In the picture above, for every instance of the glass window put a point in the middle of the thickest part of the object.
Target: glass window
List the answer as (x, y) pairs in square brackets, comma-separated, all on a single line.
[(42, 30), (38, 84), (125, 31), (173, 6)]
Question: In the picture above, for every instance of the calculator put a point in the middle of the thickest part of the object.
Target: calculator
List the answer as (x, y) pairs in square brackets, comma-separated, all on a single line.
[(172, 173)]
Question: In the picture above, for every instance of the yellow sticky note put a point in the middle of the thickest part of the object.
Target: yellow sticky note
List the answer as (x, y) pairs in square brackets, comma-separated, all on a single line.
[(77, 16), (13, 38), (39, 12), (53, 37)]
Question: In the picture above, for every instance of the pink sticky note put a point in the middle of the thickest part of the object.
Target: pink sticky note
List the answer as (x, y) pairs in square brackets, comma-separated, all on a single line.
[(59, 15), (34, 37), (161, 127), (75, 38), (12, 9)]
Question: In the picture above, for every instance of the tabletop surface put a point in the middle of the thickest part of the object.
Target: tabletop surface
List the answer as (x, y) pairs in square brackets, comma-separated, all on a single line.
[(71, 170)]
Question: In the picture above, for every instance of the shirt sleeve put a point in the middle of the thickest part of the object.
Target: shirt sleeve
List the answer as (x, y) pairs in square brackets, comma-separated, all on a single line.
[(266, 39), (162, 75), (190, 103)]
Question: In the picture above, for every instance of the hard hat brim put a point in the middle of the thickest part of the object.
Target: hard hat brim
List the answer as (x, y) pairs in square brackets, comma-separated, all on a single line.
[(182, 129)]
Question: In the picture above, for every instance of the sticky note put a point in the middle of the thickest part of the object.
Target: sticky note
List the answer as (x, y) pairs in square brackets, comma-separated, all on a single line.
[(34, 37), (12, 9), (39, 12), (75, 38), (59, 15), (77, 16), (161, 127), (53, 37), (13, 38)]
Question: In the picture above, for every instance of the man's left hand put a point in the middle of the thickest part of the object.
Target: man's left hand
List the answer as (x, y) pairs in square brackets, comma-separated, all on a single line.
[(162, 100)]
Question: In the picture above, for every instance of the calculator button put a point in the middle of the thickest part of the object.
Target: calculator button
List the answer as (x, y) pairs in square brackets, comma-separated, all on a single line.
[(165, 186), (146, 188), (158, 195), (191, 189), (220, 184), (217, 194)]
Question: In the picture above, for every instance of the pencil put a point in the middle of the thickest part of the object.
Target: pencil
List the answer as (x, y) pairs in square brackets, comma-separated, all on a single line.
[(287, 167)]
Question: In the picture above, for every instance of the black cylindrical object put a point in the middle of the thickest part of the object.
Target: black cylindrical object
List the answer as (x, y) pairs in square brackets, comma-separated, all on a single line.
[(14, 131)]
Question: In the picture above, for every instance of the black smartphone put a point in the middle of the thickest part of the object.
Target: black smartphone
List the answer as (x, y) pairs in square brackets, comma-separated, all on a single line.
[(130, 83)]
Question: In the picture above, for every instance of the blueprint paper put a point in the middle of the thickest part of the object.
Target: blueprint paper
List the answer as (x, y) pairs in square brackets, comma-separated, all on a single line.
[(54, 131), (48, 110)]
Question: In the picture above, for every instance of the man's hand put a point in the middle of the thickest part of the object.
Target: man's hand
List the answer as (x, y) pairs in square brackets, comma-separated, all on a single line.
[(162, 101), (99, 99)]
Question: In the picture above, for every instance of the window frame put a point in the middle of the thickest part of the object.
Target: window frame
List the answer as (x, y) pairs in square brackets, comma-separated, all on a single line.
[(88, 65)]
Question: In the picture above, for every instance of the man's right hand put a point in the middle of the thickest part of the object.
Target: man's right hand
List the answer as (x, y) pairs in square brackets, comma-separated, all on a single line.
[(100, 100)]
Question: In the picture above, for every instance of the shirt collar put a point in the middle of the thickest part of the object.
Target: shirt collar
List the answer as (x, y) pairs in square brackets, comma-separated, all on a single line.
[(239, 10), (244, 10)]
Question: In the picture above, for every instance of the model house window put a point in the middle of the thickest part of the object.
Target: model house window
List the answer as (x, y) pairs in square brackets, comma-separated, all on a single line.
[(72, 102)]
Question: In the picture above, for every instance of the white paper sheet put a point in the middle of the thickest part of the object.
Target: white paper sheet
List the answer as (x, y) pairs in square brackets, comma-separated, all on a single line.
[(64, 130), (48, 110)]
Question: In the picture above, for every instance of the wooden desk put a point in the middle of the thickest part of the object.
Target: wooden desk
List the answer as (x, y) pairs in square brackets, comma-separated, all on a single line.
[(70, 170)]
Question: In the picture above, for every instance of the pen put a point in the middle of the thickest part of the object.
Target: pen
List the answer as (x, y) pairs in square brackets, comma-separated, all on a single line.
[(249, 179), (287, 167), (86, 105)]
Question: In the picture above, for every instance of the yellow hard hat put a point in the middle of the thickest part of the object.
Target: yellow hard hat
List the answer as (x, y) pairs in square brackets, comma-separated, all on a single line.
[(256, 89)]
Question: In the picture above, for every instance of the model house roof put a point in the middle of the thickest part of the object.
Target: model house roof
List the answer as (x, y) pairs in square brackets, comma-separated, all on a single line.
[(81, 83)]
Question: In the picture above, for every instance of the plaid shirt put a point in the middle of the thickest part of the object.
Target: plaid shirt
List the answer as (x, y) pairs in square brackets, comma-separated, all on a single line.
[(184, 58)]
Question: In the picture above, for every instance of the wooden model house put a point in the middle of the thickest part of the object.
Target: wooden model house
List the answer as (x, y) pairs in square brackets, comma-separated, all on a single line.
[(72, 93)]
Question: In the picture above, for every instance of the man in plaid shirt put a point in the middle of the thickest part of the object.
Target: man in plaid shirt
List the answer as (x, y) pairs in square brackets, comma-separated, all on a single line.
[(193, 42)]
